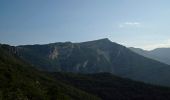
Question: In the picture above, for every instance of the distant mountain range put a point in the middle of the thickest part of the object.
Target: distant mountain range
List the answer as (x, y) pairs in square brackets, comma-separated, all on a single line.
[(21, 81), (159, 54), (94, 57)]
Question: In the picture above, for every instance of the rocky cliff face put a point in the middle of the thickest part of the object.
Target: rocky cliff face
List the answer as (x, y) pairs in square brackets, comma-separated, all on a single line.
[(93, 57)]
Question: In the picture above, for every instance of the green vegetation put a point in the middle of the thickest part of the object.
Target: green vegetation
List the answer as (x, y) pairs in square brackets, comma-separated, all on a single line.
[(20, 81), (110, 87)]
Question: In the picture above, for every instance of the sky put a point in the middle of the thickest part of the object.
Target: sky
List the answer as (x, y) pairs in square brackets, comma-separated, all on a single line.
[(133, 23)]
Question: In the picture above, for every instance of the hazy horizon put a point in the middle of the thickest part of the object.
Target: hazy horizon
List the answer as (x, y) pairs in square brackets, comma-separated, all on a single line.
[(141, 24)]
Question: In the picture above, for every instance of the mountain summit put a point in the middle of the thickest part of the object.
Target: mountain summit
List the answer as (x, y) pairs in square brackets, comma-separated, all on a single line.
[(101, 40), (20, 81), (95, 56)]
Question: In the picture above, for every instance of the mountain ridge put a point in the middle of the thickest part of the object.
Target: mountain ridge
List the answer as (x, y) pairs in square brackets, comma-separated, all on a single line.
[(95, 56), (20, 81), (159, 54)]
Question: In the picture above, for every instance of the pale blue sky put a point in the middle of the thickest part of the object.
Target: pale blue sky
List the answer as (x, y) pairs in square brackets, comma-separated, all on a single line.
[(137, 23)]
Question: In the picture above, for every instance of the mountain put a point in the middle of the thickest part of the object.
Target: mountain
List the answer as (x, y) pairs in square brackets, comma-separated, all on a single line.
[(110, 87), (159, 54), (93, 57), (20, 81)]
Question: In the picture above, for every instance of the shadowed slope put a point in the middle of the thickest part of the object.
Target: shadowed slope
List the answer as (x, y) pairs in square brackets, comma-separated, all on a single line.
[(19, 81)]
